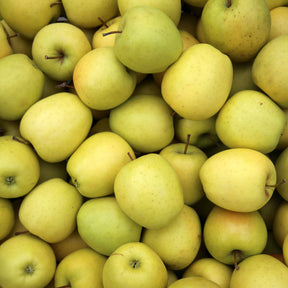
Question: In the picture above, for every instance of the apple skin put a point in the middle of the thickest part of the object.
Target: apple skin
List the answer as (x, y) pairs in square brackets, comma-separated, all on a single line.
[(7, 218), (135, 265), (194, 281), (281, 165)]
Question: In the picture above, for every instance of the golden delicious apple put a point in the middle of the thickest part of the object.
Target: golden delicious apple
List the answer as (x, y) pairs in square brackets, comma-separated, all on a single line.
[(28, 17), (195, 282), (269, 69), (57, 47), (187, 161), (19, 168), (250, 119), (104, 226), (211, 269), (178, 242), (7, 217), (238, 179), (96, 162), (145, 121), (184, 86), (279, 21), (134, 265), (149, 191), (81, 268), (20, 80), (231, 236), (49, 210), (101, 81), (260, 271), (281, 165), (26, 262), (237, 28), (156, 40), (52, 127)]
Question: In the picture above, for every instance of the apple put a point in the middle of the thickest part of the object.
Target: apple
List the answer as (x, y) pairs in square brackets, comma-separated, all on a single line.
[(281, 165), (237, 28), (57, 47), (285, 250), (7, 218), (26, 262), (239, 179), (231, 236), (194, 281), (135, 265), (279, 16), (283, 140), (276, 3), (149, 191), (5, 47), (185, 81)]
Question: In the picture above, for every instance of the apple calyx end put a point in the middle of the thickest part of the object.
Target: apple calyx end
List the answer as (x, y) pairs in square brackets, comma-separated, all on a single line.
[(10, 180), (29, 269), (134, 263)]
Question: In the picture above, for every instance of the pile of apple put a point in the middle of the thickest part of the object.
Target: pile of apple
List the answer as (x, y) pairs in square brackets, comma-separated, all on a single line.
[(144, 144)]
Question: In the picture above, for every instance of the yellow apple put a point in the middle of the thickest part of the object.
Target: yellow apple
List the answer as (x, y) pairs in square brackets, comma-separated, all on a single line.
[(283, 140), (195, 282), (7, 217), (279, 21), (280, 226), (281, 164)]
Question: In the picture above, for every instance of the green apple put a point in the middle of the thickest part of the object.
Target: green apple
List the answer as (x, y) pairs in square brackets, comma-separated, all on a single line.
[(237, 28), (7, 217), (281, 165), (260, 271), (261, 127), (211, 269), (5, 47), (149, 191), (57, 47), (202, 133), (28, 17), (90, 14), (81, 268), (171, 7), (135, 118), (138, 26), (238, 179), (187, 161), (19, 168), (269, 69), (184, 85), (96, 162), (104, 226), (195, 282), (135, 265), (101, 81), (231, 236), (178, 242), (49, 210), (20, 80), (40, 125), (26, 262), (276, 3), (279, 16)]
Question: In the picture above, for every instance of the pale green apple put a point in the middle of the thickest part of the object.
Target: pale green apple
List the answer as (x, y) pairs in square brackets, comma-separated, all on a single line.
[(281, 165), (202, 133), (279, 21), (49, 211), (211, 269), (26, 262), (276, 3), (269, 69), (28, 17), (57, 47), (195, 282), (20, 80), (19, 167), (52, 127), (187, 161), (90, 14), (101, 81), (134, 265), (149, 191), (260, 271), (179, 241), (250, 119), (145, 121), (231, 236), (237, 28), (7, 217), (96, 162), (104, 226), (238, 179), (81, 268), (170, 7), (5, 47), (133, 45), (184, 86)]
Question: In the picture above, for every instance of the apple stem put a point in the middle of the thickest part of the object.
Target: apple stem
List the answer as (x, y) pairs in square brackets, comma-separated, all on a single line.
[(19, 140), (275, 185), (103, 22), (54, 4), (111, 32), (187, 143), (65, 286), (21, 232), (235, 252), (12, 36), (64, 84), (228, 3), (131, 158), (54, 57)]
